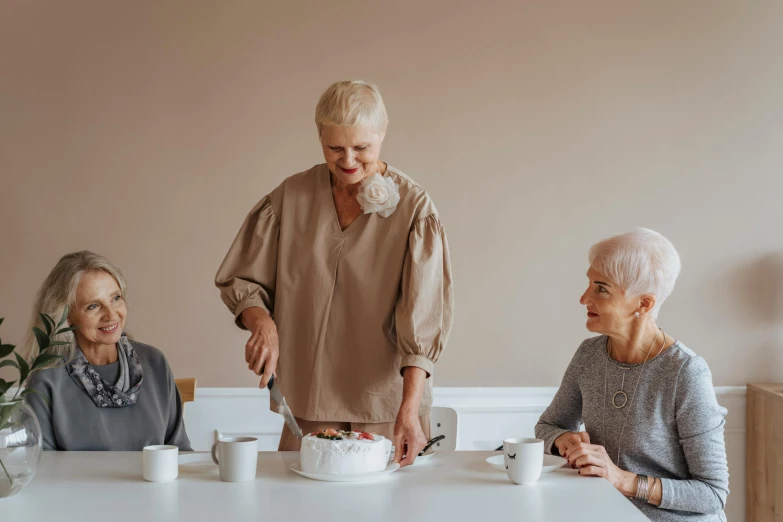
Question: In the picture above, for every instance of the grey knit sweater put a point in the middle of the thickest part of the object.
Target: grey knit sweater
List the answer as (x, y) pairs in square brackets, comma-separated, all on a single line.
[(673, 431), (70, 421)]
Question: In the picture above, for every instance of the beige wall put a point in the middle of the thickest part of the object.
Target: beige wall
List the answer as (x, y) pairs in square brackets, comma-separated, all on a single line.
[(146, 133)]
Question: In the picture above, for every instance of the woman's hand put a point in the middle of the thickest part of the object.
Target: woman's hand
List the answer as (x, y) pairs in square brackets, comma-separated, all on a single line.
[(568, 440), (592, 460), (263, 347), (409, 438)]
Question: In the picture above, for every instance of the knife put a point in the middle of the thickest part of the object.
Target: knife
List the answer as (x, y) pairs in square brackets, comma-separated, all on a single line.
[(283, 409)]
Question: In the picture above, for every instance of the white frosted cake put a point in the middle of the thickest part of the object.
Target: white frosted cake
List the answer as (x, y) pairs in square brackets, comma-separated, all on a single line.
[(333, 452)]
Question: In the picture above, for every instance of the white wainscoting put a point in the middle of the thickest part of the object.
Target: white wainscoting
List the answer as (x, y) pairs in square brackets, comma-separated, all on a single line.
[(486, 417)]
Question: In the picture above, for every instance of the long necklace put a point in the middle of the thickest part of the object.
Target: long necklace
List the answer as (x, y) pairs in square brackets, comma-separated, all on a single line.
[(623, 397), (633, 395)]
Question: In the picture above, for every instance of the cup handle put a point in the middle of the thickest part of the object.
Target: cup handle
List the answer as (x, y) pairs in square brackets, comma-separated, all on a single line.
[(214, 453)]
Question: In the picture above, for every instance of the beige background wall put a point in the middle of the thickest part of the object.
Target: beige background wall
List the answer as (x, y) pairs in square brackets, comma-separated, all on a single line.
[(147, 130)]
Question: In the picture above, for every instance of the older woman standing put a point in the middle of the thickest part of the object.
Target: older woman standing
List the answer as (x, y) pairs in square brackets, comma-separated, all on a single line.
[(113, 394), (342, 276), (653, 426)]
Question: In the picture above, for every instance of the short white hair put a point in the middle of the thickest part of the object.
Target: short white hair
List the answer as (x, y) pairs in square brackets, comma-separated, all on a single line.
[(641, 261), (351, 103)]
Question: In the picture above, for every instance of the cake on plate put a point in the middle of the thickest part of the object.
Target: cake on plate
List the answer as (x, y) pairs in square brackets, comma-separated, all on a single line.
[(333, 452)]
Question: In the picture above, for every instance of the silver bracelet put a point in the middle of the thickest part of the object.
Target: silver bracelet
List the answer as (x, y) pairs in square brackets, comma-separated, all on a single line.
[(652, 491), (642, 488)]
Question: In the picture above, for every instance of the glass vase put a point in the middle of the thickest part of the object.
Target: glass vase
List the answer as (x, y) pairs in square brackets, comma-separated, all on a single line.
[(20, 445)]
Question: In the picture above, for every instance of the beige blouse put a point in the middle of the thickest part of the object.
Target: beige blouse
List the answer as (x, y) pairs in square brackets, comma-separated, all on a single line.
[(352, 307)]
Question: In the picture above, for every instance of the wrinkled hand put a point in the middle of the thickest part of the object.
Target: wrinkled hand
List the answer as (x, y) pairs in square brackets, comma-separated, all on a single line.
[(263, 348), (592, 460), (568, 440), (408, 438)]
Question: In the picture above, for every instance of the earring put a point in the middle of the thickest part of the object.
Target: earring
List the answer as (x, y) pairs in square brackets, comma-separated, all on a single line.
[(636, 314)]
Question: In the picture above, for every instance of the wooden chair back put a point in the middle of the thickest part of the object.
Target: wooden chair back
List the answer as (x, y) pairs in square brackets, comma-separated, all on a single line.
[(187, 389)]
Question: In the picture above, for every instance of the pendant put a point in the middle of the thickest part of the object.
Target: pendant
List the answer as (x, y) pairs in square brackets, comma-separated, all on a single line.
[(621, 402)]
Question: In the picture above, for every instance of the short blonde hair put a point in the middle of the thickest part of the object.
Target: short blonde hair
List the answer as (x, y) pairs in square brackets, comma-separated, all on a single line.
[(59, 290), (351, 103), (641, 261)]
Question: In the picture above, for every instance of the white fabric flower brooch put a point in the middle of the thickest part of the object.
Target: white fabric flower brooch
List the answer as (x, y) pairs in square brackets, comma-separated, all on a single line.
[(379, 194)]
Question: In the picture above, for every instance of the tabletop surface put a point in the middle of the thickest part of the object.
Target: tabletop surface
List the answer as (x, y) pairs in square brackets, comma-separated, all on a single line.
[(453, 486)]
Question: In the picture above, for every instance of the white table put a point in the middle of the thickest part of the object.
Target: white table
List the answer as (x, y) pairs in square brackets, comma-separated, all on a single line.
[(453, 487)]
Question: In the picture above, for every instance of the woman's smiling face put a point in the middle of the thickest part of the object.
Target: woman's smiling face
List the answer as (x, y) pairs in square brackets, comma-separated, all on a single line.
[(99, 312), (608, 310), (351, 152)]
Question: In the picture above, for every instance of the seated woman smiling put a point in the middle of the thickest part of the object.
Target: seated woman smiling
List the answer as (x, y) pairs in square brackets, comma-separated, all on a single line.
[(653, 426), (113, 394)]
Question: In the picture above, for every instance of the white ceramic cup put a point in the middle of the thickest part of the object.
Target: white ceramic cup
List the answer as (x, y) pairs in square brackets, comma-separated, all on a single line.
[(524, 459), (160, 463), (236, 457)]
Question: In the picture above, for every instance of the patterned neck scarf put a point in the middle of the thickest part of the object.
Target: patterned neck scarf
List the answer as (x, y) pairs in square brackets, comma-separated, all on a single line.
[(103, 394)]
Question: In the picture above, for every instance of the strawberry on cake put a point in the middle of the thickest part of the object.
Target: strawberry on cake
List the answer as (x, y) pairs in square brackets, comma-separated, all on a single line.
[(334, 452)]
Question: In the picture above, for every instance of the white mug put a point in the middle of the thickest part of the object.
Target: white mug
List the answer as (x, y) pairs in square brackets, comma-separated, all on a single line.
[(238, 457), (160, 463), (524, 459)]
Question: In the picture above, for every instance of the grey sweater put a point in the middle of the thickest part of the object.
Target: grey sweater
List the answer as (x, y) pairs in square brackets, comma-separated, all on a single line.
[(674, 429), (74, 423)]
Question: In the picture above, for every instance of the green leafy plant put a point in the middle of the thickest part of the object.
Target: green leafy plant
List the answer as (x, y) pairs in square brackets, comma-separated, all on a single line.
[(45, 359)]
